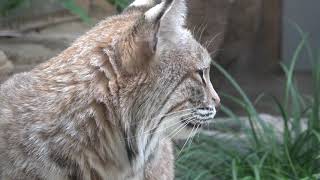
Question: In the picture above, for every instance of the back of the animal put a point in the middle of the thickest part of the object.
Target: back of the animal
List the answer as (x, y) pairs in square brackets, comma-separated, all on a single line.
[(51, 93), (108, 106), (37, 108)]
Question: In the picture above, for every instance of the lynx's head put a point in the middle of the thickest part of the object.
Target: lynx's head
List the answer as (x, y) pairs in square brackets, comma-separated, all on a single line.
[(163, 72)]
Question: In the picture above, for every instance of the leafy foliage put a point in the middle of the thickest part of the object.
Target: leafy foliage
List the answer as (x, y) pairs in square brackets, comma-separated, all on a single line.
[(75, 9), (7, 6), (120, 4), (262, 154)]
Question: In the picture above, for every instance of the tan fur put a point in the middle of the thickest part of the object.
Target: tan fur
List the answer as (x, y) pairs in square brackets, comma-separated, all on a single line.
[(162, 167), (108, 106)]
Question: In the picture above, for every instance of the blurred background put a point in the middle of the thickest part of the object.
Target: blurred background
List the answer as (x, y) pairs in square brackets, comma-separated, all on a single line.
[(250, 39)]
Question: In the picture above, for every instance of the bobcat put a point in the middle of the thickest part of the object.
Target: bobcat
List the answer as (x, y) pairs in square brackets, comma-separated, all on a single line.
[(108, 106)]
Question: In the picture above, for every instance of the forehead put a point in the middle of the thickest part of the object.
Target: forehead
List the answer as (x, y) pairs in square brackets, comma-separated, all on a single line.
[(204, 57), (185, 51), (199, 55)]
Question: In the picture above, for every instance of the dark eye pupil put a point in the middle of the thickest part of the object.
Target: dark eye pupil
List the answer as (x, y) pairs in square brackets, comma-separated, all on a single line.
[(201, 75)]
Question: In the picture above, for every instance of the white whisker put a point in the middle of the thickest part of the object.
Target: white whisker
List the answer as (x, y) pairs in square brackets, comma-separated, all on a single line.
[(202, 31), (178, 129), (208, 43), (155, 128), (213, 53), (190, 134), (174, 114)]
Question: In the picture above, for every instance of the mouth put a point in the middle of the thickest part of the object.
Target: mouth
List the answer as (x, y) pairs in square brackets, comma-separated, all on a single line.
[(200, 117), (193, 124)]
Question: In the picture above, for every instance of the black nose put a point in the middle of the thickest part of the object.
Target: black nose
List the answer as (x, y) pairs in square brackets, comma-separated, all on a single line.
[(217, 103)]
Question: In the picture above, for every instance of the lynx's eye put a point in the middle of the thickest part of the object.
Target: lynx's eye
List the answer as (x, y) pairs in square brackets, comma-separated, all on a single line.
[(201, 73)]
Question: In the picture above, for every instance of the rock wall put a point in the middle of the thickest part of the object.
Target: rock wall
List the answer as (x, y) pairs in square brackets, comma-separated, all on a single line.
[(208, 20), (230, 27)]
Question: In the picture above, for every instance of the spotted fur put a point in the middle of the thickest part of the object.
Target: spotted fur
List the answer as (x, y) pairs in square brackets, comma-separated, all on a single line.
[(107, 107)]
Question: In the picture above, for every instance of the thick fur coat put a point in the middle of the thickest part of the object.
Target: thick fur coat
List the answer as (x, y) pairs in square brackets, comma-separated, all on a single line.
[(107, 107)]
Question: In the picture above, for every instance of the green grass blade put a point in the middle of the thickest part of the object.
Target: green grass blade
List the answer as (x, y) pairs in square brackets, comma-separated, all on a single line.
[(307, 44), (234, 170), (289, 72), (248, 103), (77, 10)]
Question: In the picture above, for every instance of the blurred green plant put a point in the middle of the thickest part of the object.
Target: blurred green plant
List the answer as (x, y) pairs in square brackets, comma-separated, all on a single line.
[(262, 153), (120, 4), (7, 6), (75, 9)]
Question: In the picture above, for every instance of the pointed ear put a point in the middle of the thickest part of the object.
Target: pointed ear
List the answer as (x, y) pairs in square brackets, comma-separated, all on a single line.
[(140, 44), (173, 20)]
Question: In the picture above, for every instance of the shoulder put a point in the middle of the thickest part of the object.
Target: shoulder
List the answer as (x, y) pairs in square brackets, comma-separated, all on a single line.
[(16, 81)]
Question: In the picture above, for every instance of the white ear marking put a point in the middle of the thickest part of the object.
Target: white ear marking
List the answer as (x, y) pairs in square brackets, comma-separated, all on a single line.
[(138, 3), (173, 20), (153, 13), (176, 14)]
